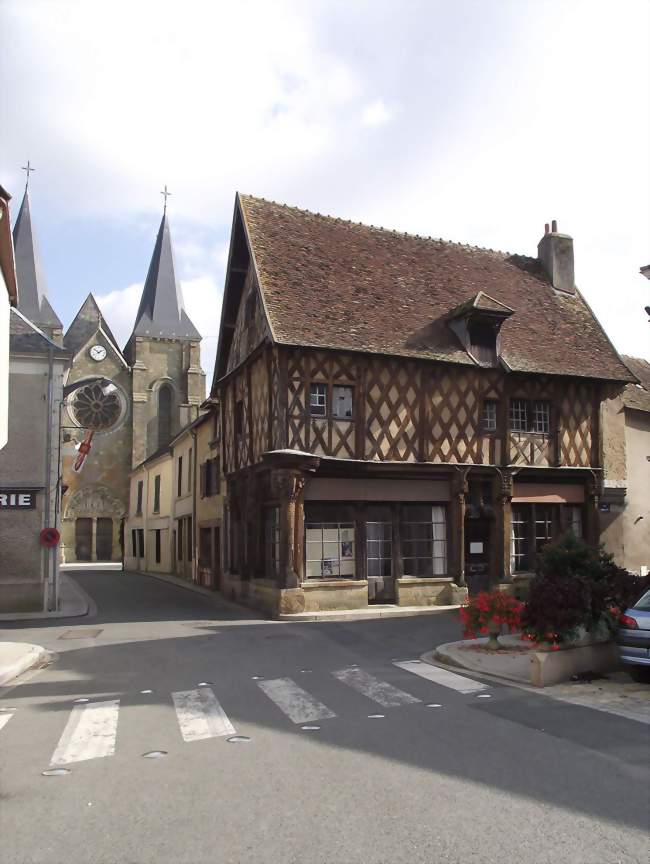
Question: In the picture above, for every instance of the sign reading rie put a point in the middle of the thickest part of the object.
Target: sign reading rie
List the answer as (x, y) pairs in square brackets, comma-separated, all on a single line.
[(17, 499)]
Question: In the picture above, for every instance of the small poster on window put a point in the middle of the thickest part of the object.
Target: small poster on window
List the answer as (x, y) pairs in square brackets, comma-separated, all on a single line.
[(326, 567), (346, 549)]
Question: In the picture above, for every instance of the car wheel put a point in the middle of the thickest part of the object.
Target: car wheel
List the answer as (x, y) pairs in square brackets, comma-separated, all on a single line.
[(639, 673)]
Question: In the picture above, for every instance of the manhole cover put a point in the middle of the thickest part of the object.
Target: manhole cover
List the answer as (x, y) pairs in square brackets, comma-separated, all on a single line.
[(81, 633)]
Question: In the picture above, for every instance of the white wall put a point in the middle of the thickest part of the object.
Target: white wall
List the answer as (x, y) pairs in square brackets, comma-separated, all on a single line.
[(4, 362)]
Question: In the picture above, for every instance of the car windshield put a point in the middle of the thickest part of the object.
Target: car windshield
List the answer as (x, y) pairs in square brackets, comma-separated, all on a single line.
[(644, 602)]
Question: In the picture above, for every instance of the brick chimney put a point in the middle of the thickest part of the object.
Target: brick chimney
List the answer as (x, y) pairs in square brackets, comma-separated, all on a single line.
[(555, 253)]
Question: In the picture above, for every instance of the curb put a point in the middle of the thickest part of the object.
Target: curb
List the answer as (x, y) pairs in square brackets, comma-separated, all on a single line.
[(216, 597), (86, 604), (33, 655), (371, 615)]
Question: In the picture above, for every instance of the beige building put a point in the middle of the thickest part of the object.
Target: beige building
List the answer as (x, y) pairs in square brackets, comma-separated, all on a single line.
[(625, 504), (209, 501), (148, 536)]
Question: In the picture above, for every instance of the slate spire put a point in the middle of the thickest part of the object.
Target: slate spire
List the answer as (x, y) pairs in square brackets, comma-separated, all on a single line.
[(32, 290), (161, 312), (86, 323)]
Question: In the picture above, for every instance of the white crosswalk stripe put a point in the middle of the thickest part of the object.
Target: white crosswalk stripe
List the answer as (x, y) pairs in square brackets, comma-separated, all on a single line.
[(5, 717), (89, 733), (379, 691), (442, 676), (296, 703), (200, 715)]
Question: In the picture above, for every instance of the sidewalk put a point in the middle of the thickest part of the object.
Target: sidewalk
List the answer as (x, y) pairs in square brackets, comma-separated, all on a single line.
[(73, 603), (18, 657), (387, 611)]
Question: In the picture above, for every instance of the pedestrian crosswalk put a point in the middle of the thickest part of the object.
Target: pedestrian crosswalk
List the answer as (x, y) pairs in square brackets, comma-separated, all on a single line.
[(91, 728)]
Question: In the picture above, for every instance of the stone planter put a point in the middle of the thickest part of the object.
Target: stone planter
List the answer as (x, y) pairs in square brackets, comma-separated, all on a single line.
[(494, 630)]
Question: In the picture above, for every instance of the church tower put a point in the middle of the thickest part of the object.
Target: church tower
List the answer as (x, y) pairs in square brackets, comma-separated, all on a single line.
[(32, 290), (164, 353)]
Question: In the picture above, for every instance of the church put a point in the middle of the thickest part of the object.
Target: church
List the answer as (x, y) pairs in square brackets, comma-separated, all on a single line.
[(135, 399)]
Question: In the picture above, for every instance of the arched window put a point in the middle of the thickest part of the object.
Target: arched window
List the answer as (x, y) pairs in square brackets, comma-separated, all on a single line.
[(164, 414)]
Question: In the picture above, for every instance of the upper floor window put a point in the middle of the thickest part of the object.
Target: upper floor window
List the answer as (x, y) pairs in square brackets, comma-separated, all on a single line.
[(342, 396), (528, 416), (156, 494), (489, 417), (179, 477), (189, 471), (239, 418), (138, 508), (483, 341), (318, 400), (519, 415)]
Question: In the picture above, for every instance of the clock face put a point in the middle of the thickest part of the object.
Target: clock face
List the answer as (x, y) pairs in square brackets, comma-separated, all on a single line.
[(98, 352)]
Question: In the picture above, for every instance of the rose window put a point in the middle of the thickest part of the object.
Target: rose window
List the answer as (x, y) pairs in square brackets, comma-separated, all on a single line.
[(97, 406)]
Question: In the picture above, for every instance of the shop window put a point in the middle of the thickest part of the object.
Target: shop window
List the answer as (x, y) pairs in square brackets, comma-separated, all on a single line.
[(318, 400), (519, 557), (329, 550), (424, 540), (575, 520), (379, 547), (489, 417), (272, 542), (545, 521), (157, 542), (156, 494), (342, 401)]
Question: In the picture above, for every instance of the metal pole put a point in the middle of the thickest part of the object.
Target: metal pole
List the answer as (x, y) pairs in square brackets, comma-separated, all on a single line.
[(51, 574)]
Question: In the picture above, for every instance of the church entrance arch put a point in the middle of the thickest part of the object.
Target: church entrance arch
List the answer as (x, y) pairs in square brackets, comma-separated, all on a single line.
[(95, 513)]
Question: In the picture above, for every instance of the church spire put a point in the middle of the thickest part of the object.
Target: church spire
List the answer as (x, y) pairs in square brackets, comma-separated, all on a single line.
[(161, 313), (32, 290)]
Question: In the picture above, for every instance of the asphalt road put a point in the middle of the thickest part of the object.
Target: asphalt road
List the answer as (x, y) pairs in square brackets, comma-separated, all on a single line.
[(512, 777)]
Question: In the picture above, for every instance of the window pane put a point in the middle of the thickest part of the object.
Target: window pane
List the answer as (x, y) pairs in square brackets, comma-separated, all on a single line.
[(518, 415), (424, 556), (489, 418), (318, 399), (342, 401), (541, 415), (329, 550)]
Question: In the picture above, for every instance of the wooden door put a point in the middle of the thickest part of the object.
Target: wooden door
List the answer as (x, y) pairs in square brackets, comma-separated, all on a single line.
[(104, 539), (477, 554), (83, 539), (379, 555)]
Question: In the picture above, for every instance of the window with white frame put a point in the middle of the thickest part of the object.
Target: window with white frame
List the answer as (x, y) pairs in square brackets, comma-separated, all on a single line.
[(489, 418), (519, 415), (318, 400), (545, 521), (519, 559), (272, 542), (342, 400), (330, 550), (424, 540)]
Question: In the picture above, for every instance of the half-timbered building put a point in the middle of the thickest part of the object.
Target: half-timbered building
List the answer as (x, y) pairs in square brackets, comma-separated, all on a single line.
[(401, 416)]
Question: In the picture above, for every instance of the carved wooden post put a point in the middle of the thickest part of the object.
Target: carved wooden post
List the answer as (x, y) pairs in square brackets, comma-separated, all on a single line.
[(504, 524), (592, 513), (289, 486)]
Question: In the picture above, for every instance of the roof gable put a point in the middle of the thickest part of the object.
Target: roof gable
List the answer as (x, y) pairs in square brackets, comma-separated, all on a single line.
[(88, 321), (334, 284)]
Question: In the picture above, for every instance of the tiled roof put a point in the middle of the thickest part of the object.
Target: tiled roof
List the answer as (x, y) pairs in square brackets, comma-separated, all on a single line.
[(638, 395), (335, 284)]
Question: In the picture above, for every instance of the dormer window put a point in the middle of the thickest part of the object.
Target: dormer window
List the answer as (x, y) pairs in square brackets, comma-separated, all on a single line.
[(477, 324), (483, 341)]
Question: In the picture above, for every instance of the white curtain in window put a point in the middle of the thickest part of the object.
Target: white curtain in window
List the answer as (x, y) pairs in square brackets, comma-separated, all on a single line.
[(439, 523)]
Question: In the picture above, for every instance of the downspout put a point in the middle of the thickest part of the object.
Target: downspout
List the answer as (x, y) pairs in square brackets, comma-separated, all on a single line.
[(49, 554), (195, 563)]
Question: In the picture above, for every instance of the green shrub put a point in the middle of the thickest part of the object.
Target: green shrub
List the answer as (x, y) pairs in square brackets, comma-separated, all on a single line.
[(576, 586)]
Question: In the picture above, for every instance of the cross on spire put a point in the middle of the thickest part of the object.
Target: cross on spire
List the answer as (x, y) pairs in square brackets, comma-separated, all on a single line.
[(28, 168), (165, 195)]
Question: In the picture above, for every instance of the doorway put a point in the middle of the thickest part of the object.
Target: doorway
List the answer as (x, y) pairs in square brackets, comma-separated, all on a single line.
[(379, 555), (477, 554), (104, 539), (83, 539)]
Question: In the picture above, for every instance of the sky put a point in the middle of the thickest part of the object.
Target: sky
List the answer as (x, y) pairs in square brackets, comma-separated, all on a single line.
[(474, 120)]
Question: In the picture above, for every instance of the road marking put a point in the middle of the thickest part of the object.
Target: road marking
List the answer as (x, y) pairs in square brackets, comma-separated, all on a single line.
[(200, 715), (373, 688), (442, 676), (5, 718), (89, 733), (296, 703)]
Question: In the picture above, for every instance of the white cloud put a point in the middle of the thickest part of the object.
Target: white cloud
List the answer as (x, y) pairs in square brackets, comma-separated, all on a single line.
[(375, 114), (202, 300)]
